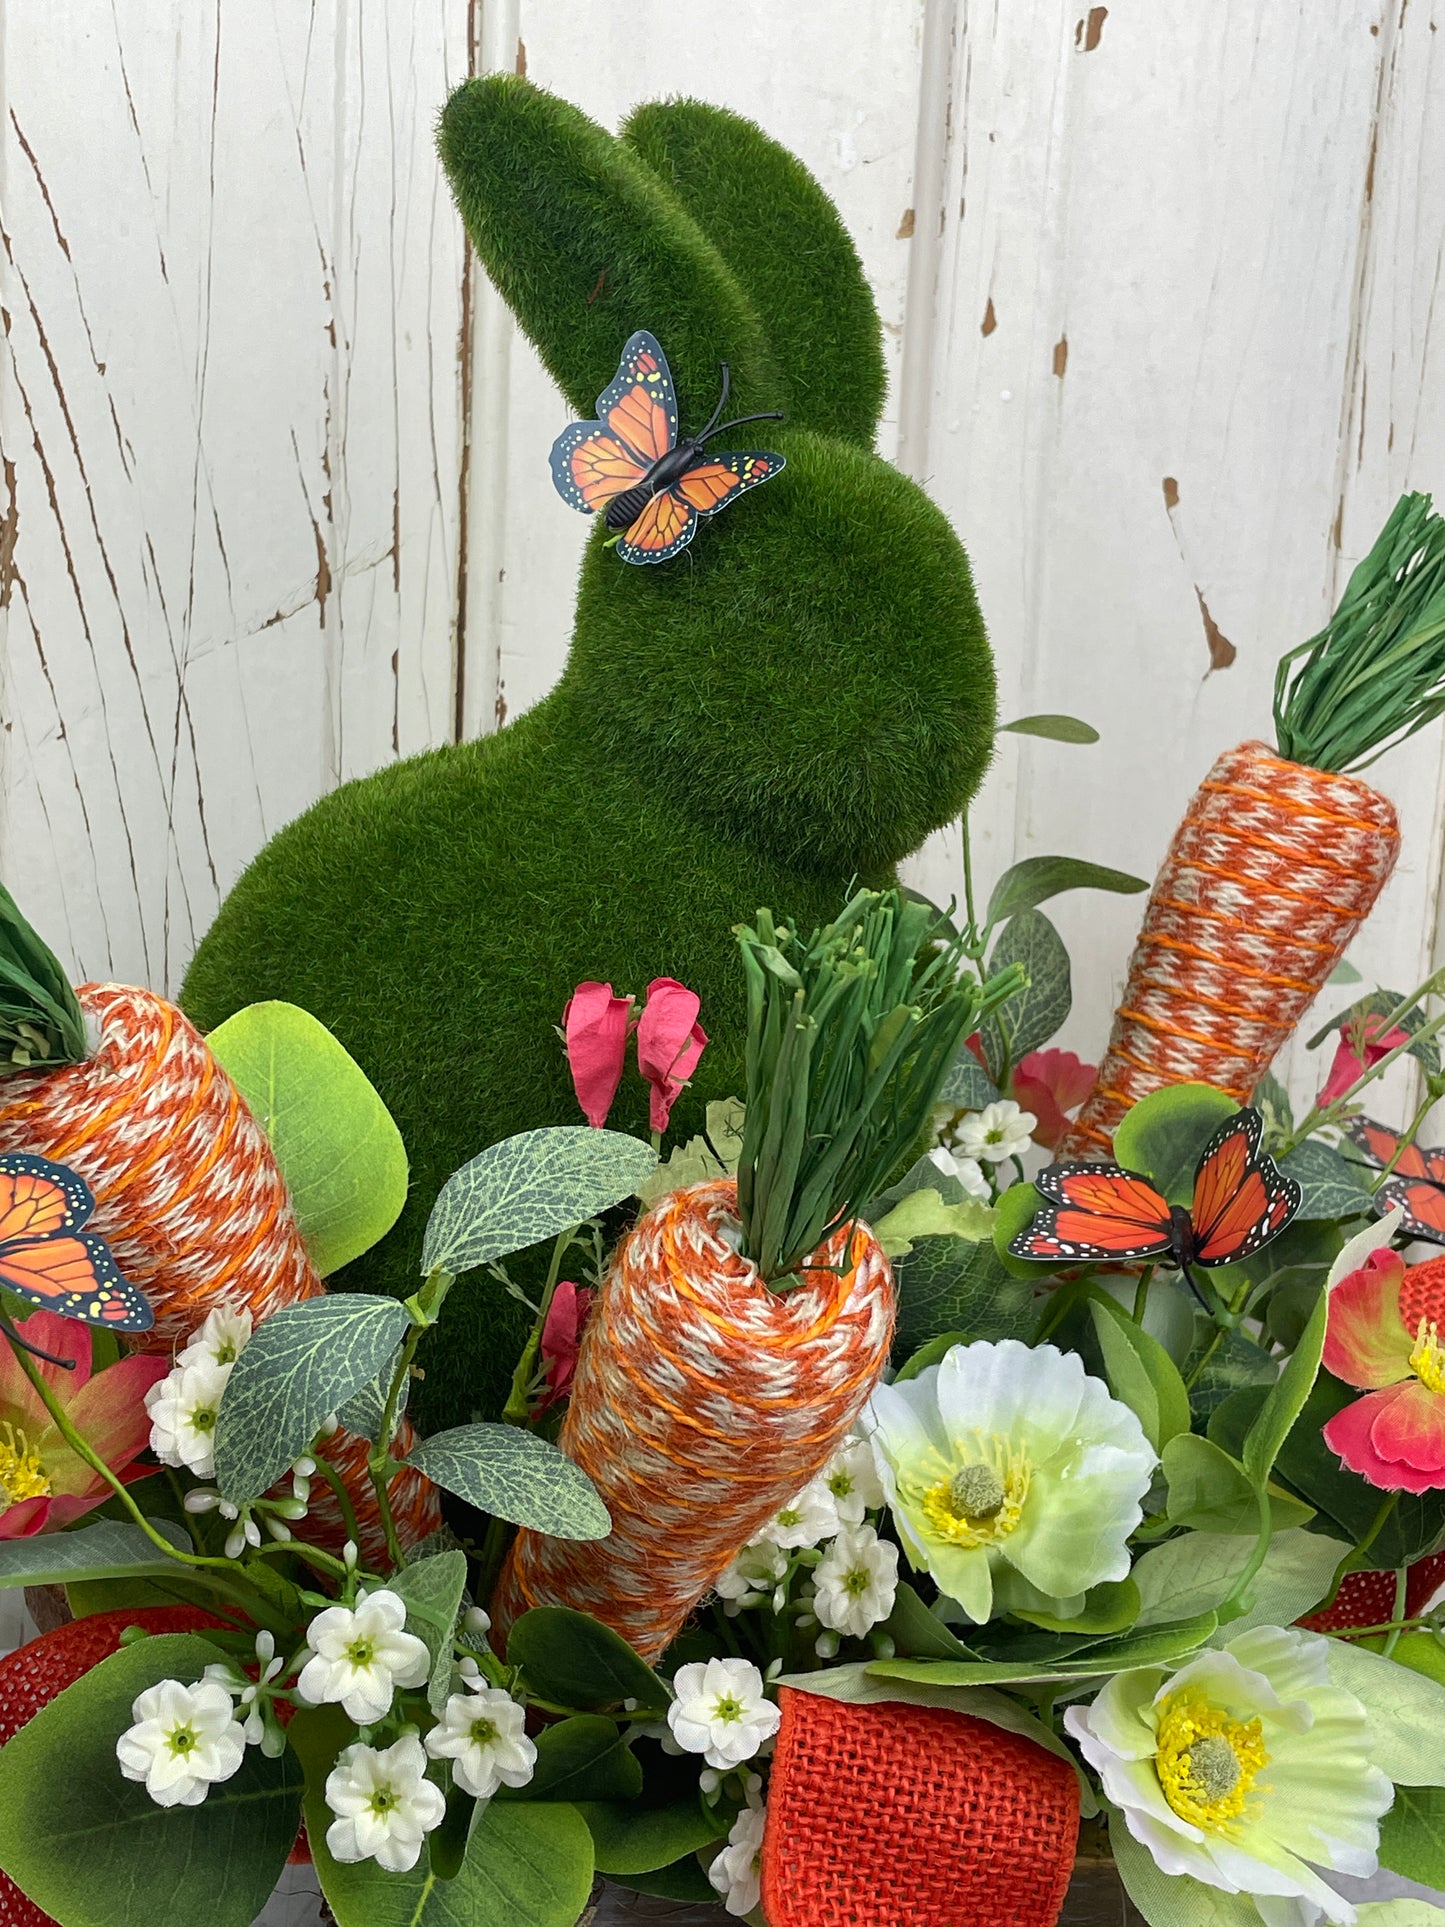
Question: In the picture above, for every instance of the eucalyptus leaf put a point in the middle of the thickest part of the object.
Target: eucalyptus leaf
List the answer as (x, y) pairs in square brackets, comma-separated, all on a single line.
[(1164, 1135), (300, 1364), (336, 1143), (1331, 1186), (585, 1757), (1038, 878), (432, 1590), (517, 1476), (109, 1549), (638, 1840), (528, 1188), (574, 1659), (1037, 1012), (1057, 729)]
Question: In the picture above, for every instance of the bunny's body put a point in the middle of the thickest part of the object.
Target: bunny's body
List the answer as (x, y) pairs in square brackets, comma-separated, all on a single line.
[(786, 708)]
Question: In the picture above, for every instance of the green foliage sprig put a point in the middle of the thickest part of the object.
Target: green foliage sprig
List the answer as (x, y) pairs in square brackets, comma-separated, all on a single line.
[(850, 1034), (1375, 674), (40, 1019)]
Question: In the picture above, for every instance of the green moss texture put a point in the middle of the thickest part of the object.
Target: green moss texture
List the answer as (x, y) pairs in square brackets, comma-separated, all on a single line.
[(790, 705)]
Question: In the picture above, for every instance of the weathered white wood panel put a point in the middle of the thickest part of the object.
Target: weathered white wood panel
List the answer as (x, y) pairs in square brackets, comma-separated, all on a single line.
[(232, 432)]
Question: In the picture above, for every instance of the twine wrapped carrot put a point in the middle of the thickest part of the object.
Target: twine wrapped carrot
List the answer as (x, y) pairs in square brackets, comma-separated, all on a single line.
[(740, 1329), (118, 1084), (1281, 855)]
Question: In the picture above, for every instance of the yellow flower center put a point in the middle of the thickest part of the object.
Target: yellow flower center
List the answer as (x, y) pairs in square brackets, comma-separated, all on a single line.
[(22, 1476), (980, 1500), (1207, 1762), (1427, 1361)]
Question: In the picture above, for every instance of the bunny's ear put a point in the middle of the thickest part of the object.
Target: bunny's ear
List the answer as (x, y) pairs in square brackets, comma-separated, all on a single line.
[(585, 245), (781, 236)]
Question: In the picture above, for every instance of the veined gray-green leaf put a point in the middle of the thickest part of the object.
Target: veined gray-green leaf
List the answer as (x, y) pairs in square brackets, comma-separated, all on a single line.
[(112, 1548), (517, 1476)]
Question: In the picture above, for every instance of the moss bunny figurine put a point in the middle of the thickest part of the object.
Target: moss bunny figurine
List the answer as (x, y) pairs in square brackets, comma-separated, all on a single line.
[(789, 705)]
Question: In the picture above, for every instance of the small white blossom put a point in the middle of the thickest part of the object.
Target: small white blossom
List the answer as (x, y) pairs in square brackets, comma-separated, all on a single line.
[(384, 1804), (185, 1738), (478, 1620), (183, 1408), (220, 1340), (721, 1711), (851, 1476), (855, 1582), (754, 1571), (968, 1172), (482, 1733), (997, 1132), (737, 1872), (361, 1656), (805, 1520)]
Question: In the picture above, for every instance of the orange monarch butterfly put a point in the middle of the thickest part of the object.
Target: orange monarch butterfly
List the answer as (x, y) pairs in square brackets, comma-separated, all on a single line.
[(47, 1258), (1101, 1211), (1416, 1182), (651, 487)]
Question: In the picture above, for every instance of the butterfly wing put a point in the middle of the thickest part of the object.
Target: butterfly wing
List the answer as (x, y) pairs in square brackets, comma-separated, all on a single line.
[(1095, 1211), (74, 1277), (636, 426), (1377, 1145), (1241, 1197), (1423, 1204), (666, 525), (40, 1198), (720, 479), (590, 465)]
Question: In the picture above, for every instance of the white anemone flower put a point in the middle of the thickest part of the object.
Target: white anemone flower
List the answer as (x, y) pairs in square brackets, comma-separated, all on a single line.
[(384, 1804), (852, 1479), (482, 1733), (185, 1738), (361, 1655), (1013, 1477), (721, 1711), (806, 1520), (182, 1409), (855, 1582), (737, 1872), (1246, 1769), (220, 1340), (997, 1132)]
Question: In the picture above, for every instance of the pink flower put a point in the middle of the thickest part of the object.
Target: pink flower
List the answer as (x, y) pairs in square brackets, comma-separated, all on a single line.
[(596, 1024), (669, 1042), (561, 1336), (1349, 1066), (1384, 1321), (1051, 1083), (44, 1485)]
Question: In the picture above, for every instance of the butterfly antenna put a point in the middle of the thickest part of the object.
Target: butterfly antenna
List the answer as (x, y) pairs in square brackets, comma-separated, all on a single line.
[(51, 1358), (770, 415), (1194, 1286), (722, 402)]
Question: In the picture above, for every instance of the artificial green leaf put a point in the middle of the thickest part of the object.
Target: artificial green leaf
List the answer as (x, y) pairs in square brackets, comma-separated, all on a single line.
[(1173, 1900), (1331, 1186), (528, 1188), (918, 1633), (107, 1550), (680, 1880), (336, 1143), (923, 1214), (1038, 878), (527, 1864), (1012, 1213), (517, 1476), (575, 1660), (432, 1590), (638, 1840), (1142, 1374), (1110, 1607), (365, 1411), (1164, 1135), (1344, 972), (1405, 1710), (1399, 1913), (93, 1849), (1169, 1307), (1196, 1572), (1285, 1399), (1236, 1363), (1270, 1098), (299, 1365), (953, 1284), (1210, 1491), (713, 1154), (1290, 1310), (1156, 1645), (583, 1758), (1381, 1003), (933, 1353), (1034, 1014), (1058, 729), (967, 1086), (1412, 1835), (1420, 1650)]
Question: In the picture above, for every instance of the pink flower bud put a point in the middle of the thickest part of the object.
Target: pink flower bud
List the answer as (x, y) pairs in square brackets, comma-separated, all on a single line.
[(596, 1024), (669, 1043)]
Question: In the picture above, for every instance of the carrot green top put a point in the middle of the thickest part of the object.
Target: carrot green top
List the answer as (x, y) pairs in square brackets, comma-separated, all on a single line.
[(1376, 672), (850, 1033), (40, 1019)]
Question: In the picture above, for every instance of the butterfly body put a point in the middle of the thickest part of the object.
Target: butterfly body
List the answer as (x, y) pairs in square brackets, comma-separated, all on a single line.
[(1105, 1213), (651, 486)]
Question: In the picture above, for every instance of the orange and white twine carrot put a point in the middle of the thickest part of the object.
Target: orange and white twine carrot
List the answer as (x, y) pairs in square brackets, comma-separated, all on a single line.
[(1270, 874), (703, 1401), (190, 1199)]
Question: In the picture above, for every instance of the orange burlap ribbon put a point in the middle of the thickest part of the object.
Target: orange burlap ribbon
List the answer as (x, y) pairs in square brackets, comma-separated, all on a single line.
[(191, 1201), (912, 1816), (1272, 871), (702, 1403)]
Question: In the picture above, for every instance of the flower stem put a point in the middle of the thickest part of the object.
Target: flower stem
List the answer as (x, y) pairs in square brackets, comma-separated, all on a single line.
[(518, 1408), (1402, 1579), (1350, 1562), (1319, 1115), (343, 1498)]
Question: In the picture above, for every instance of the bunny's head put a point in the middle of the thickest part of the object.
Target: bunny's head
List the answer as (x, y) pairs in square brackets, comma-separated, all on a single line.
[(811, 676)]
